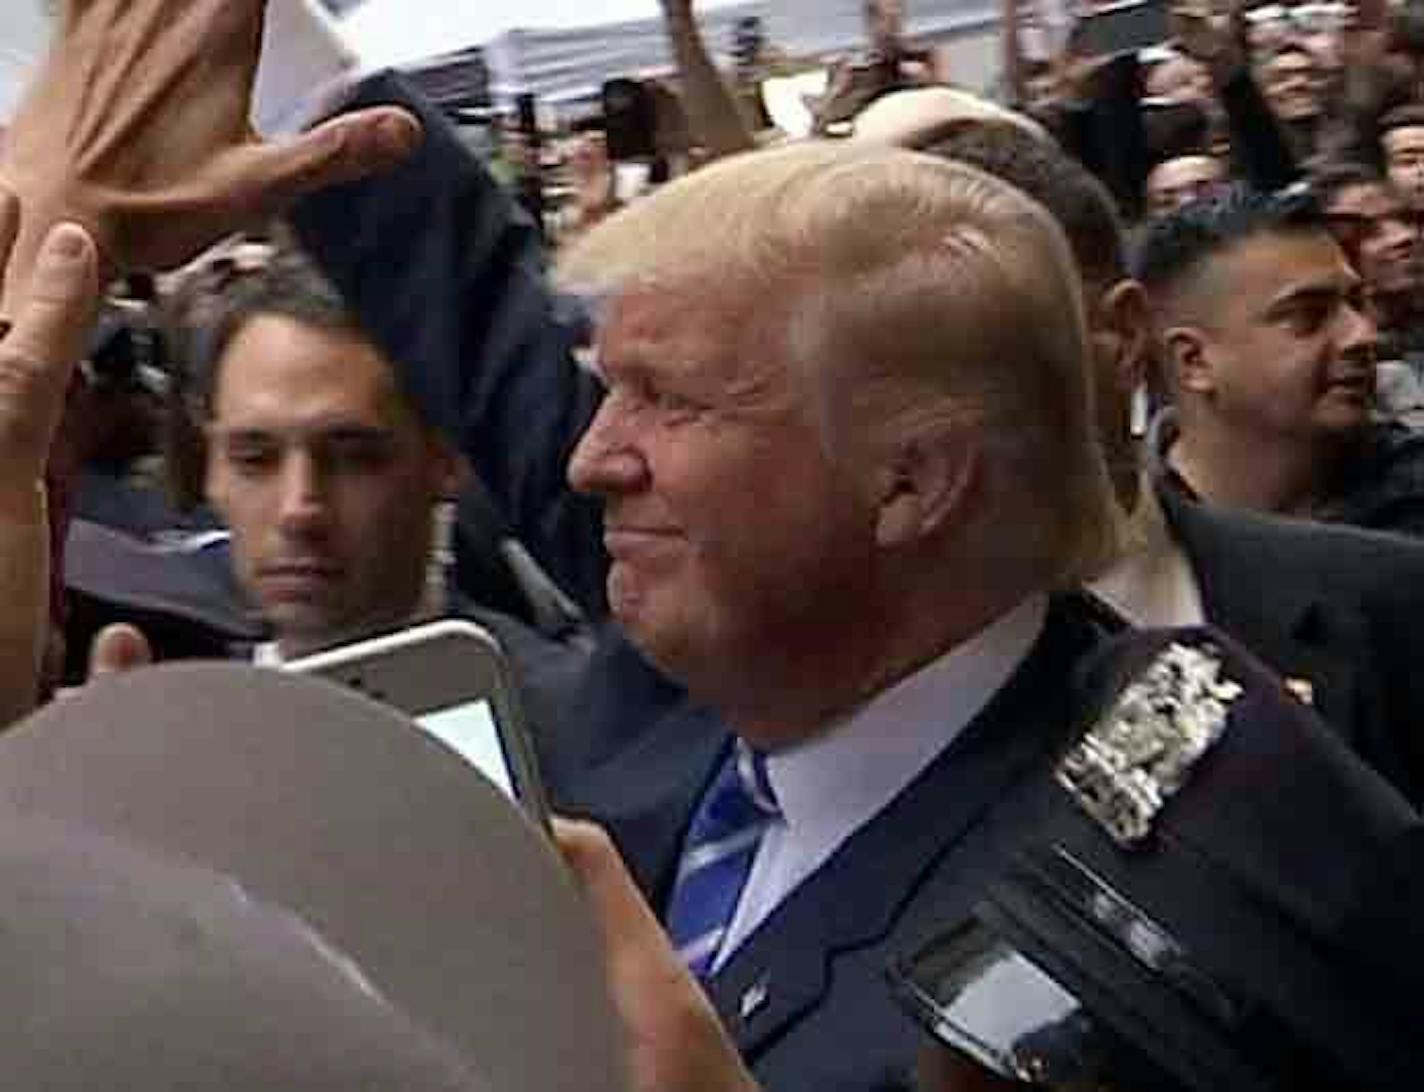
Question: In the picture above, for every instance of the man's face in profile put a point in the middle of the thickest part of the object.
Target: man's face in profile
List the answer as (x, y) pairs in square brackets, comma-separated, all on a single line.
[(731, 531), (1287, 346), (326, 479), (1385, 240)]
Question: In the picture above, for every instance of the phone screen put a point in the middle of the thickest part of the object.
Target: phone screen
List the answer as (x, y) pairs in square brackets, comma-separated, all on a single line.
[(470, 731)]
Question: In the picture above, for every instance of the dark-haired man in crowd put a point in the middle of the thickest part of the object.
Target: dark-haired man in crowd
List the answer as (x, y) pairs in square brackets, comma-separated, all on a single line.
[(339, 495), (1373, 224), (1182, 179), (1402, 142), (1270, 356), (1333, 610)]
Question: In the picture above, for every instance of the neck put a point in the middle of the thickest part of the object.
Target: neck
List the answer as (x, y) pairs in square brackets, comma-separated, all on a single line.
[(820, 687), (1275, 475), (293, 646)]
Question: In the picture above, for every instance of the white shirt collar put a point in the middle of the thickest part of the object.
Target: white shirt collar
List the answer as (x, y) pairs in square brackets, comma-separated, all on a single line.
[(833, 785)]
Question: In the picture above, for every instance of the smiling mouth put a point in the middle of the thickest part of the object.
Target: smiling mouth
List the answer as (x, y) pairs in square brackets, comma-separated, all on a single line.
[(626, 540), (1364, 383)]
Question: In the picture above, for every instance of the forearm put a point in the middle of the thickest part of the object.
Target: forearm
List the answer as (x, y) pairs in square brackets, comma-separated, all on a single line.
[(445, 273), (24, 589), (717, 120)]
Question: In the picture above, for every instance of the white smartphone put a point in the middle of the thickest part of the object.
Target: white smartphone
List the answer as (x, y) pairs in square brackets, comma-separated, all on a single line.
[(451, 678)]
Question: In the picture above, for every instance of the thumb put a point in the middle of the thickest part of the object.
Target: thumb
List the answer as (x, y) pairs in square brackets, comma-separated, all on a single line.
[(617, 904), (117, 649)]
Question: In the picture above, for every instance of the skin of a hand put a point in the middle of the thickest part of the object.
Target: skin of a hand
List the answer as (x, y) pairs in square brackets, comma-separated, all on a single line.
[(56, 304), (674, 1041), (136, 127)]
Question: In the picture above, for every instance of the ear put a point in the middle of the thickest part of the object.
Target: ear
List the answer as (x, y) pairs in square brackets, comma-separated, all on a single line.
[(1125, 318), (924, 489), (1188, 360), (448, 467)]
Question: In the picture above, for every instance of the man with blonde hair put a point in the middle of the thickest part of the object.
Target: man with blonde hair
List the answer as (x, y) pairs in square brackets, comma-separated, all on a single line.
[(838, 522), (846, 450)]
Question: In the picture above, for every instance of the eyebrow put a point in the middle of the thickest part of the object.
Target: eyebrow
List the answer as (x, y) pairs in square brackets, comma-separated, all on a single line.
[(333, 432), (1316, 292)]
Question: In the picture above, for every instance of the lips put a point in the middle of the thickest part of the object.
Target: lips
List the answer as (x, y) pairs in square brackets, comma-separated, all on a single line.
[(625, 540), (297, 579), (1357, 383)]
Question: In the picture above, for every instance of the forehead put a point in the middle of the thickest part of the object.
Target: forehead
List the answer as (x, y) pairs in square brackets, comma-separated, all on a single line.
[(1370, 200), (688, 326), (1174, 71), (1262, 268), (280, 371), (1405, 138), (1290, 62), (1185, 170)]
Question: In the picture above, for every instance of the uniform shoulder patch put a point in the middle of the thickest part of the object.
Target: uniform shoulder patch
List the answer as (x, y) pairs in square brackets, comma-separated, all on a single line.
[(1141, 752)]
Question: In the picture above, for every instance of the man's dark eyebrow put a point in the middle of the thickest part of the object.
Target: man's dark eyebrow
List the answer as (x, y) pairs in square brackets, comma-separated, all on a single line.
[(338, 432), (1318, 292)]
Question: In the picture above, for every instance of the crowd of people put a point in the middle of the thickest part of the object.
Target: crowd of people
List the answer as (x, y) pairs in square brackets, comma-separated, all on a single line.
[(959, 566)]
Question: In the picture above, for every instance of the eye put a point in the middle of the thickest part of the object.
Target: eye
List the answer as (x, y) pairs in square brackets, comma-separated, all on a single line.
[(673, 404), (359, 454), (1308, 317), (251, 456)]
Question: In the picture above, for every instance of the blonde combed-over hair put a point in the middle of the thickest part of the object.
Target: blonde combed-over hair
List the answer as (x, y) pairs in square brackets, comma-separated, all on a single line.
[(920, 297)]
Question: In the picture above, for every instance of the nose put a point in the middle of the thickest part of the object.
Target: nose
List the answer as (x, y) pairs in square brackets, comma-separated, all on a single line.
[(607, 460), (1359, 336), (303, 501)]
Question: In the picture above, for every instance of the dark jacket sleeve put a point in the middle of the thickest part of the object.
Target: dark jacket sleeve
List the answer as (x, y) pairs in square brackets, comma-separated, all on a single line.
[(1108, 136), (446, 274)]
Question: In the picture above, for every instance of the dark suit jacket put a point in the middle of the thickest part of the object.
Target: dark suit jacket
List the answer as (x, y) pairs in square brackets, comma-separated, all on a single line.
[(1337, 607), (825, 1019), (1292, 824)]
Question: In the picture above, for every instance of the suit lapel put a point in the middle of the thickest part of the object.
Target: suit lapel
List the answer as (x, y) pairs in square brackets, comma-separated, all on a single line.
[(1287, 622), (782, 970)]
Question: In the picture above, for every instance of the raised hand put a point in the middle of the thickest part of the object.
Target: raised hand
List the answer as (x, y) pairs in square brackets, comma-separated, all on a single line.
[(53, 319), (137, 128)]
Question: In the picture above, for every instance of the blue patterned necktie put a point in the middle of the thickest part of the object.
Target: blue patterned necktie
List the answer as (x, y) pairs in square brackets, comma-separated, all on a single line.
[(717, 857)]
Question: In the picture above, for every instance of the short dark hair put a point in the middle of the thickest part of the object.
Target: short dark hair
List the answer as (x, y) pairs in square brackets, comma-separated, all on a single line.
[(1177, 245), (208, 310), (1409, 116), (1331, 178), (1043, 171), (289, 286)]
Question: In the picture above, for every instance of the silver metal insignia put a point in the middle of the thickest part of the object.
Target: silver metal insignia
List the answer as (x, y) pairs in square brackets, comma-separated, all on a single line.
[(1126, 768)]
